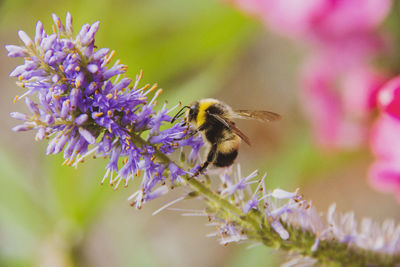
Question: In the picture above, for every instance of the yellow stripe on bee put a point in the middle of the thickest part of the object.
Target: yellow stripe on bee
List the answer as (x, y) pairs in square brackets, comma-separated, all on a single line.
[(203, 106), (229, 145)]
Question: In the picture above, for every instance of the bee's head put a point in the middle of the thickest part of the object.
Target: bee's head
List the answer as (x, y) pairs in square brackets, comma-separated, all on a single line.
[(191, 113)]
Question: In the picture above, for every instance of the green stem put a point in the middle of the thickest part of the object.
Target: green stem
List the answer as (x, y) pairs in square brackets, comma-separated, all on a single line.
[(330, 252)]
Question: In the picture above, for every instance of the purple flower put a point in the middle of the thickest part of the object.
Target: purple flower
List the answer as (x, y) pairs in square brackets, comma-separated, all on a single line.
[(87, 107), (240, 185)]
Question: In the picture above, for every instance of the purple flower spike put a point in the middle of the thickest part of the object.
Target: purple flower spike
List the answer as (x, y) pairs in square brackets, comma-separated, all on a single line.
[(84, 110)]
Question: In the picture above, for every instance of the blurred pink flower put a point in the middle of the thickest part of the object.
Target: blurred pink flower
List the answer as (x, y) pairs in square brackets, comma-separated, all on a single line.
[(389, 97), (384, 173), (338, 101), (340, 89), (360, 90), (343, 18), (318, 19), (339, 86), (292, 18)]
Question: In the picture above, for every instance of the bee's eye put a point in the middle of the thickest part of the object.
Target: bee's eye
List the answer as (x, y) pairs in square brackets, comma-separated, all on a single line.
[(192, 114)]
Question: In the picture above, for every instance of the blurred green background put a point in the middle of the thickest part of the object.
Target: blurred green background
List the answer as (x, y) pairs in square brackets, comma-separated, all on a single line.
[(52, 215)]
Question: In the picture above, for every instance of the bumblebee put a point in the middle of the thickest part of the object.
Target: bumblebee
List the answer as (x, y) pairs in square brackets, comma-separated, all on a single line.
[(214, 120)]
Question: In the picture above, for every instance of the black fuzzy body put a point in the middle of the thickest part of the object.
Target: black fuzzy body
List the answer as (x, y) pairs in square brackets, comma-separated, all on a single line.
[(220, 136)]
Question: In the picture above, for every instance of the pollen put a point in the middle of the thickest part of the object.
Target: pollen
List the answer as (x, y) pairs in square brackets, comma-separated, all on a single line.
[(153, 87), (21, 84), (77, 68), (145, 87), (112, 54), (109, 96), (138, 77)]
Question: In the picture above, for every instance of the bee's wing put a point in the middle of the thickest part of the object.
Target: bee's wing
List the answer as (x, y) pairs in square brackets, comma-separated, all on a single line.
[(260, 115), (231, 125)]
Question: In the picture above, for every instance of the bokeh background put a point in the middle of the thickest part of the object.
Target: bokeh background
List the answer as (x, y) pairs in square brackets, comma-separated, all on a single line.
[(53, 215)]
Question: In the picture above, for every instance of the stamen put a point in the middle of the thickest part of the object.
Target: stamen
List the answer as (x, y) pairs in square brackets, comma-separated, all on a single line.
[(105, 176), (119, 177), (174, 107), (84, 156), (168, 205), (151, 89), (157, 94), (143, 88), (138, 78), (109, 58)]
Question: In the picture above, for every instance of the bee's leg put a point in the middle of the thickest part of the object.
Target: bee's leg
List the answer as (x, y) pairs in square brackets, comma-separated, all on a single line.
[(194, 132), (210, 157)]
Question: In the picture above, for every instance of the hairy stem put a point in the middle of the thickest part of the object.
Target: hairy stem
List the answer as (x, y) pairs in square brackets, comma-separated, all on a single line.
[(330, 252)]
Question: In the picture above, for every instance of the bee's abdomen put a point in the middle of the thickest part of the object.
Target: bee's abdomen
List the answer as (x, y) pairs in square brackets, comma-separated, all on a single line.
[(225, 159), (227, 151)]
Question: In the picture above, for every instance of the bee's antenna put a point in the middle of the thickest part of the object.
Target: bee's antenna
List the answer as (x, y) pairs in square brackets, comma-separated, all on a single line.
[(179, 113)]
